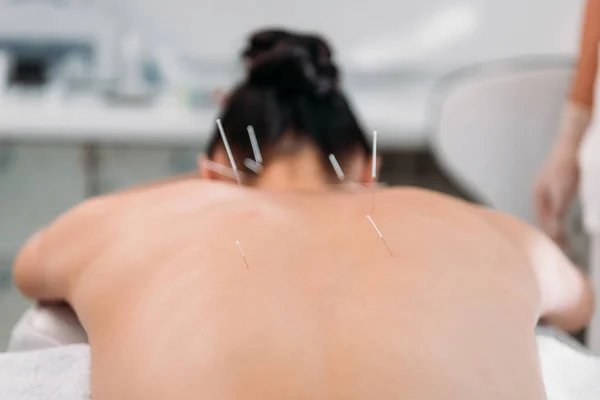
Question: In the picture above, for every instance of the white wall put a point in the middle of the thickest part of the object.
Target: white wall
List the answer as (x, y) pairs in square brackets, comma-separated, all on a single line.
[(432, 33), (48, 22), (396, 35)]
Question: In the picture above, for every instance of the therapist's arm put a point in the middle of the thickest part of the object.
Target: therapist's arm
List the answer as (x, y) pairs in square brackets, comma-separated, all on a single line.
[(576, 115), (50, 262), (566, 296), (583, 87)]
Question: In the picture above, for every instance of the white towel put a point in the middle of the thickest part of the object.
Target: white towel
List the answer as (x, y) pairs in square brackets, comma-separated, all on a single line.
[(569, 374), (43, 327), (61, 373)]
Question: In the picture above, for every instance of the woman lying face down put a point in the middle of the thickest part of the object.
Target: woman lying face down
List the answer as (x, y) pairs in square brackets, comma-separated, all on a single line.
[(287, 286)]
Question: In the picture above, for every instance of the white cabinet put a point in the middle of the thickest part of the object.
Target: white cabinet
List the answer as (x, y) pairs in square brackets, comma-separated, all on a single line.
[(37, 183), (121, 167)]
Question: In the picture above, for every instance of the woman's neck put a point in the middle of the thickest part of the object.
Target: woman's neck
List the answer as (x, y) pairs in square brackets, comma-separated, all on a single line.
[(301, 170)]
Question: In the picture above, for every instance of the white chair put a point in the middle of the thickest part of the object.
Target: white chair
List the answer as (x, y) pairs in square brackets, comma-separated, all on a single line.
[(496, 126)]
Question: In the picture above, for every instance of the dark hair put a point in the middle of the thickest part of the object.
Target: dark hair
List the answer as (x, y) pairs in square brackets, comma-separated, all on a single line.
[(291, 86)]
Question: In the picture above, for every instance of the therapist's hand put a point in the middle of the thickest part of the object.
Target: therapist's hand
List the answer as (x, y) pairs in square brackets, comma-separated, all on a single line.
[(555, 190)]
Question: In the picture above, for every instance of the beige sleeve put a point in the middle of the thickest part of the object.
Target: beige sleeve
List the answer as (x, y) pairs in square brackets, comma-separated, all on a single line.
[(582, 91)]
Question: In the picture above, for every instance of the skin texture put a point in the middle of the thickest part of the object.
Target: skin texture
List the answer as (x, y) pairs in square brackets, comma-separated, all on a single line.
[(322, 311)]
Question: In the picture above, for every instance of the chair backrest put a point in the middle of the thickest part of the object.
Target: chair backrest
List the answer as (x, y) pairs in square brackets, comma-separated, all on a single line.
[(496, 125)]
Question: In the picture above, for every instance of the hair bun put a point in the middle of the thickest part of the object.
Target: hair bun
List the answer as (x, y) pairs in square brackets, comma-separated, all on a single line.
[(290, 63)]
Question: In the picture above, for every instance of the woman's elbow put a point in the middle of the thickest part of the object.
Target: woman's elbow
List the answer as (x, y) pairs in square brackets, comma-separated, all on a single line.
[(577, 316), (25, 267), (585, 308)]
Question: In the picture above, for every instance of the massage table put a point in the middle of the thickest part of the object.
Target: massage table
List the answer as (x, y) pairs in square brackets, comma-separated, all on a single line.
[(49, 359), (570, 372), (48, 348)]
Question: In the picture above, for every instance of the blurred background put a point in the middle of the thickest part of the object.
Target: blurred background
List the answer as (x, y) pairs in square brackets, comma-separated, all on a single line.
[(97, 95)]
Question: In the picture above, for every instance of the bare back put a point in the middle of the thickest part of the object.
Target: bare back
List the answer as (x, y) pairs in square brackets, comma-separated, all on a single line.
[(320, 311)]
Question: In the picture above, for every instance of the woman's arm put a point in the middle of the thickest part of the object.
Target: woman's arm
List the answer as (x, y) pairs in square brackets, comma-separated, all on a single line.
[(566, 296), (50, 262)]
